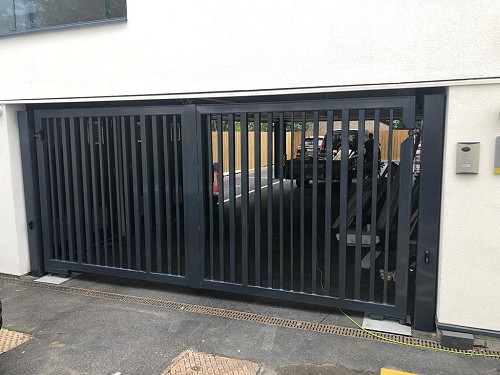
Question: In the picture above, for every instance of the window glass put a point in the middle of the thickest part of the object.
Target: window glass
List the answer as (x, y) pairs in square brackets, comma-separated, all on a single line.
[(26, 15)]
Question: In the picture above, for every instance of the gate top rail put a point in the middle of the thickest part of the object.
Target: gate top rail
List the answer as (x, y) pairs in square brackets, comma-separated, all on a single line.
[(407, 103), (111, 111)]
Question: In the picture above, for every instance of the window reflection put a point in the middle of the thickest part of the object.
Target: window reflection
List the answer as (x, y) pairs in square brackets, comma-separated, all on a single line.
[(25, 15)]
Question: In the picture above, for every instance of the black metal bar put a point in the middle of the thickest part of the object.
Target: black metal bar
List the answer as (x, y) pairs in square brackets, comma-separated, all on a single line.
[(119, 186), (68, 189), (31, 191), (302, 201), (127, 124), (220, 161), (167, 151), (343, 202), (190, 133), (270, 200), (388, 204), (404, 225), (281, 134), (60, 190), (117, 272), (244, 198), (178, 187), (292, 157), (257, 201), (111, 190), (314, 242), (103, 179), (373, 219), (359, 203), (86, 185), (211, 194), (95, 194), (146, 189), (232, 200), (46, 194), (429, 212), (135, 192), (328, 202), (312, 105), (311, 299), (77, 188), (158, 191), (52, 186)]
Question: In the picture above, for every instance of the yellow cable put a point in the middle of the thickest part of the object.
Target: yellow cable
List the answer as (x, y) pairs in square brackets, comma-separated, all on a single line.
[(416, 345)]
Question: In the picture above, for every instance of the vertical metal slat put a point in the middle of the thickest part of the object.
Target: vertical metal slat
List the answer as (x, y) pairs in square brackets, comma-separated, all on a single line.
[(232, 200), (270, 200), (52, 185), (328, 202), (314, 241), (388, 204), (146, 190), (136, 193), (244, 198), (68, 189), (343, 203), (220, 161), (359, 205), (60, 198), (257, 201), (77, 189), (178, 187), (103, 179), (111, 191), (373, 219), (167, 142), (292, 156), (211, 193), (302, 202), (281, 134), (119, 187), (127, 124), (88, 258), (158, 191)]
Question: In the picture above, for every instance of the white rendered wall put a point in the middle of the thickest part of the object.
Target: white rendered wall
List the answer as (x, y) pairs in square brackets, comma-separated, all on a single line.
[(469, 264), (195, 46), (14, 253)]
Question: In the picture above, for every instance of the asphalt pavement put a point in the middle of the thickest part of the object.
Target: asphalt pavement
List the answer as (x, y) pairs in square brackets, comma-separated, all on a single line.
[(82, 333)]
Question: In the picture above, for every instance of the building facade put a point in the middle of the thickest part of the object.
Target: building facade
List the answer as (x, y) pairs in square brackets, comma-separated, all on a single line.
[(208, 50)]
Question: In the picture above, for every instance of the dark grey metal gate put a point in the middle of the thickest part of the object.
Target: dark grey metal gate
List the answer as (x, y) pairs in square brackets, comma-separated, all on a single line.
[(111, 188), (216, 197), (329, 242)]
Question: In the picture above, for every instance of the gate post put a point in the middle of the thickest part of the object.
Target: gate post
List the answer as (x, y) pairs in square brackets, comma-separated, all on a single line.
[(193, 214), (31, 189), (431, 176)]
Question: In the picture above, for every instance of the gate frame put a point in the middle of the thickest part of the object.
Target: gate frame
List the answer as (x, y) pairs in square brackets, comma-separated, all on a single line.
[(408, 103), (431, 183), (431, 176)]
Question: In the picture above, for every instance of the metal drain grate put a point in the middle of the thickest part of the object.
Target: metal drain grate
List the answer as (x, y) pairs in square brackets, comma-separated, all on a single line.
[(12, 339), (245, 316)]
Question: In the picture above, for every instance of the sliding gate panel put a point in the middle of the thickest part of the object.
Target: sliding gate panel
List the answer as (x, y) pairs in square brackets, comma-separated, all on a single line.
[(111, 186), (300, 204)]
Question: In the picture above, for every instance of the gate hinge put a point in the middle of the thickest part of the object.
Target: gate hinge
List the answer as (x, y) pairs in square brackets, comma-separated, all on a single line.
[(39, 136)]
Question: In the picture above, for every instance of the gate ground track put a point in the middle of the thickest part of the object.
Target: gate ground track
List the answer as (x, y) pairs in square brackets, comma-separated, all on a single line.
[(250, 317)]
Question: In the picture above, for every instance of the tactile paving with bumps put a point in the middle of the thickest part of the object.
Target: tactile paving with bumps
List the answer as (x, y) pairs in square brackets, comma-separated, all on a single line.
[(191, 362), (12, 339)]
